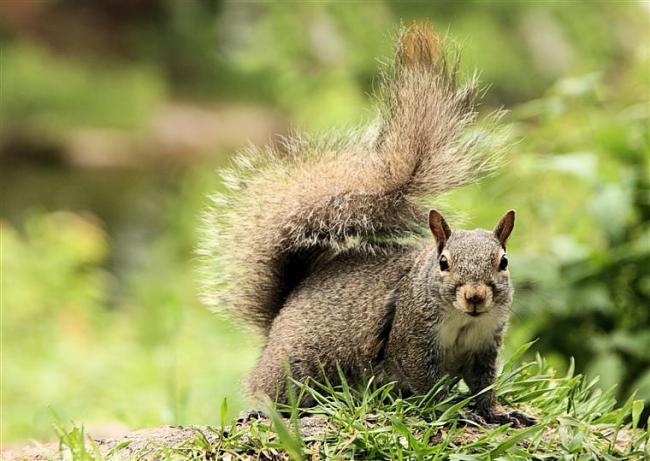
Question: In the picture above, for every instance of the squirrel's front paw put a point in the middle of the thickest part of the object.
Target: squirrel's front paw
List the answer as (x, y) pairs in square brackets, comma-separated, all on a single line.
[(514, 418)]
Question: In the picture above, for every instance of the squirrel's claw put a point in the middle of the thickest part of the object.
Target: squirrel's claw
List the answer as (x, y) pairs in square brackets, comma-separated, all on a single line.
[(523, 419), (514, 418), (246, 416)]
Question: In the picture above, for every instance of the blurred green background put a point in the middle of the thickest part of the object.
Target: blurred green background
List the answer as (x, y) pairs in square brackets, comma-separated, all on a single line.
[(116, 114)]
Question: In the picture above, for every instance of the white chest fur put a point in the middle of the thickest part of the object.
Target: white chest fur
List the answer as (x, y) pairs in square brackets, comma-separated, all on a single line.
[(459, 334)]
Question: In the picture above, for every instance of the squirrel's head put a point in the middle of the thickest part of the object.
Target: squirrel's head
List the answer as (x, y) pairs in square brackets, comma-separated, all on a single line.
[(471, 267)]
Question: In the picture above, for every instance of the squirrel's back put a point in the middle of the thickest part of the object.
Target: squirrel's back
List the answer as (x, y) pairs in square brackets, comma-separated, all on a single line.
[(287, 209)]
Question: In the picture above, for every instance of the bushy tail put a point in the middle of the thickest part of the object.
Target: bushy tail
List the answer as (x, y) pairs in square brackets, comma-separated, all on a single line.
[(286, 208)]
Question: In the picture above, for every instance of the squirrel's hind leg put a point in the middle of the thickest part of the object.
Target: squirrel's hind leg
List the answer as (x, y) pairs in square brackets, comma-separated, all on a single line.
[(272, 377), (267, 381)]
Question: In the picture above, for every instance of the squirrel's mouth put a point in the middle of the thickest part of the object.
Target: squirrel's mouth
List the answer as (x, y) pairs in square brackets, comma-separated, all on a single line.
[(472, 311)]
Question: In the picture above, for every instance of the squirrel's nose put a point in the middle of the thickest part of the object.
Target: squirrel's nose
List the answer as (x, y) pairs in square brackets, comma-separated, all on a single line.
[(475, 299)]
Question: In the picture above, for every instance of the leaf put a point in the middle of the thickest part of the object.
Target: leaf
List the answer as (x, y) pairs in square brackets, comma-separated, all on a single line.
[(637, 409), (292, 444), (223, 411), (453, 410), (521, 435), (516, 355)]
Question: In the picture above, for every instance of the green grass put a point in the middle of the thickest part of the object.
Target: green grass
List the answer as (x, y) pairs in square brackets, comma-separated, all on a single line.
[(577, 421)]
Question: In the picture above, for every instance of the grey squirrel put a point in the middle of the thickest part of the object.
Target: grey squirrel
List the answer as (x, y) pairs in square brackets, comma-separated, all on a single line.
[(320, 244)]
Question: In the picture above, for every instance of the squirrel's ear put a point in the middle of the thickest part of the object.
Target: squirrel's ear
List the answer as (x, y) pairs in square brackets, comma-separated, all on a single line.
[(504, 227), (439, 228)]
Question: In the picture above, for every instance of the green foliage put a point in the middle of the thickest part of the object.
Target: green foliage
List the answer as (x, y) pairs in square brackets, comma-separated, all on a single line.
[(603, 265), (153, 356)]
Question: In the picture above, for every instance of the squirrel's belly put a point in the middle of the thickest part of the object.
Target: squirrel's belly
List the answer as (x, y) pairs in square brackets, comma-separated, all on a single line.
[(459, 334)]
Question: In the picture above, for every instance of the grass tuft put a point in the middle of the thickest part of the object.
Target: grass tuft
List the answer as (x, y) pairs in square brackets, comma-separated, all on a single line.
[(370, 421)]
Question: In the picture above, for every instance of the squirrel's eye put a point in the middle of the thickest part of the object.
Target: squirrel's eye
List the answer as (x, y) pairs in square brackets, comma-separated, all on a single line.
[(444, 264), (503, 263)]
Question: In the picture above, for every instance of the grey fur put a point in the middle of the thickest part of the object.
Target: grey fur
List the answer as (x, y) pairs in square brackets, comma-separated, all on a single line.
[(308, 244)]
